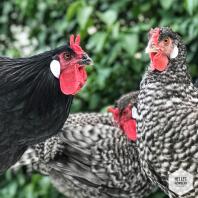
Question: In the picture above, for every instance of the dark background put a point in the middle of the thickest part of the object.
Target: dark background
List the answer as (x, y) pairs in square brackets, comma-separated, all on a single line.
[(115, 35)]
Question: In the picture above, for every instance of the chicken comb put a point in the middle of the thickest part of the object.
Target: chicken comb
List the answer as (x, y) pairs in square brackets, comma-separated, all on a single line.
[(115, 112), (154, 33), (75, 44)]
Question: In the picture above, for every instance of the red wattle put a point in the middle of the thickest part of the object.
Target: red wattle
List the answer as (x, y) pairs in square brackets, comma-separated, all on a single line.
[(159, 61), (126, 123), (72, 79), (129, 128)]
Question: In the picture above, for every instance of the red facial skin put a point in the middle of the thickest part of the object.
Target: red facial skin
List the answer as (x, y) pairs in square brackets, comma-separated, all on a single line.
[(125, 121), (159, 61), (73, 75), (159, 58)]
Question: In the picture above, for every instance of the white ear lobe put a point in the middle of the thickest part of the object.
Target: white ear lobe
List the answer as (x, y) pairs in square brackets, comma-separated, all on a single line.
[(174, 53), (134, 112), (55, 68)]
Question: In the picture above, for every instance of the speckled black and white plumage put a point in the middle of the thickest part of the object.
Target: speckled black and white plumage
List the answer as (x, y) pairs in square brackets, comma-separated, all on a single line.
[(32, 107), (91, 158), (168, 121)]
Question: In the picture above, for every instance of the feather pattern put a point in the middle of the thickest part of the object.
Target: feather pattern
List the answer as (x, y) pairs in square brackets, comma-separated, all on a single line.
[(90, 157), (32, 107), (167, 123)]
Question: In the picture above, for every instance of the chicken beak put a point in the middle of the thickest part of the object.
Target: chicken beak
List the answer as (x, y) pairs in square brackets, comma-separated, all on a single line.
[(85, 60), (151, 48)]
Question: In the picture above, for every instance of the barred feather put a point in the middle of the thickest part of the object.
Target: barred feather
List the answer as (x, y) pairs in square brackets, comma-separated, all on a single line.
[(168, 121), (91, 157)]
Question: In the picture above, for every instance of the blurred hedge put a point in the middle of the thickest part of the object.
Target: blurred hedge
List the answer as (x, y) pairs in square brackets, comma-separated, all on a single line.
[(113, 32)]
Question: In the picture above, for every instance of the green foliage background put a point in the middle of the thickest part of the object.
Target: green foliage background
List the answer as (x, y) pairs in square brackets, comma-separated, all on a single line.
[(113, 32)]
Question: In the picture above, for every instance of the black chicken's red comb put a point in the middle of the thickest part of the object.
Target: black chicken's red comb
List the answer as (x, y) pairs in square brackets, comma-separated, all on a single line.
[(75, 44)]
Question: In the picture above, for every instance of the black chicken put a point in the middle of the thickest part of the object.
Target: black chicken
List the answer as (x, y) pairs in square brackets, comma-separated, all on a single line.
[(35, 97), (167, 120), (92, 157)]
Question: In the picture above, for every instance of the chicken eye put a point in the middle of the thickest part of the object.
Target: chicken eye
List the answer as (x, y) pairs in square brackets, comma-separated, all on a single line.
[(67, 56), (166, 41)]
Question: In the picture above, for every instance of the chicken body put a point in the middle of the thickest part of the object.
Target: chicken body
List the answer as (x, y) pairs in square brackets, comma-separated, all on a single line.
[(32, 105), (168, 117), (91, 157)]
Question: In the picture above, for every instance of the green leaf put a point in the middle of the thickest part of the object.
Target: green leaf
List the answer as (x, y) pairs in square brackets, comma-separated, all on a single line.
[(97, 41), (191, 5), (130, 43), (114, 53), (72, 10), (108, 17), (102, 76), (166, 4), (115, 30), (83, 16)]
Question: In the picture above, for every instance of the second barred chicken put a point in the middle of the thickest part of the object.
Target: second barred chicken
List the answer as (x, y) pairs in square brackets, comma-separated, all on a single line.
[(92, 157)]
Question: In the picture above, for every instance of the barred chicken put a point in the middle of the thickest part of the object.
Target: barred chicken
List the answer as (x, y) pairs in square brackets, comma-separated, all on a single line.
[(91, 157), (167, 120), (36, 95)]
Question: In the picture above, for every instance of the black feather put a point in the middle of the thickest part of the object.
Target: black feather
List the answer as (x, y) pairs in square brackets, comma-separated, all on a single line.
[(33, 81), (32, 107)]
